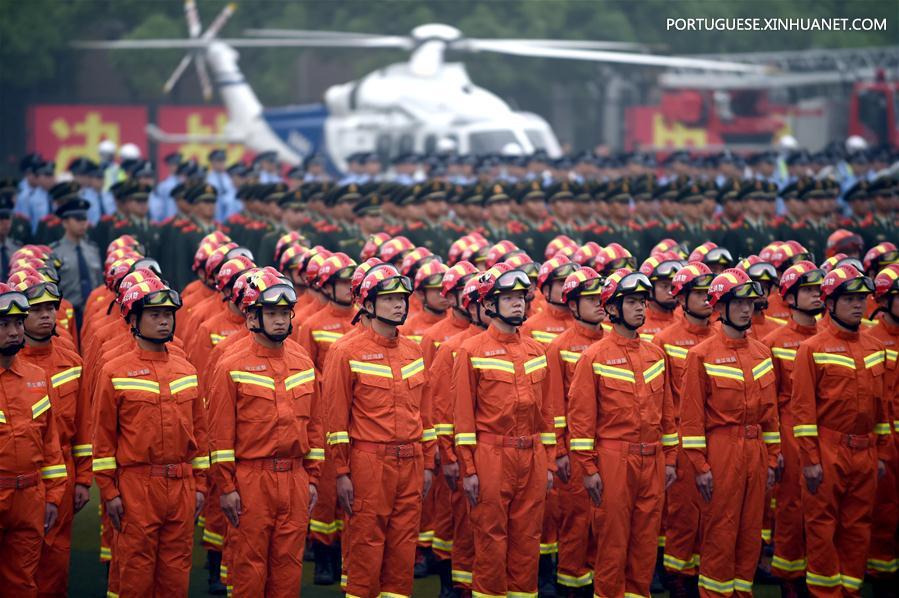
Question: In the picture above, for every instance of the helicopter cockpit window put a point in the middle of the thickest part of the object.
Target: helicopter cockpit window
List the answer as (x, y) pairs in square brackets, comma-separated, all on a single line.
[(384, 148), (490, 142), (406, 144), (536, 139), (430, 144)]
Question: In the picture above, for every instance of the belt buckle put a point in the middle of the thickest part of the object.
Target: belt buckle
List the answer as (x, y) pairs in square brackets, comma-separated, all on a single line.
[(647, 449), (856, 442), (404, 451), (750, 431), (281, 465), (173, 470), (522, 442), (20, 482)]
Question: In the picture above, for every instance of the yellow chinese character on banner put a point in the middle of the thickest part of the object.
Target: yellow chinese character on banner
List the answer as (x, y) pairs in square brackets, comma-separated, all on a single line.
[(677, 135), (81, 138), (200, 151)]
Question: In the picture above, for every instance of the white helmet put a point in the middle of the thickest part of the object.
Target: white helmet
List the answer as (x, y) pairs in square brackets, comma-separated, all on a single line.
[(512, 149), (788, 142), (129, 151), (446, 145), (856, 143), (106, 149)]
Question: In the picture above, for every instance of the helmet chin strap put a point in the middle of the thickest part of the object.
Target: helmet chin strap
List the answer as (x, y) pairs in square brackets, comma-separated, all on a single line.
[(388, 321), (11, 350), (851, 327), (479, 321), (513, 321), (727, 321), (275, 338), (668, 306), (619, 319), (43, 339), (333, 297), (577, 316)]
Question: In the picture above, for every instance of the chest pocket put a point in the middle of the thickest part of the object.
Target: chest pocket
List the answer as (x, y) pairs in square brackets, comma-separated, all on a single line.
[(300, 385), (535, 369), (413, 373), (729, 387), (494, 371), (139, 399), (838, 372), (615, 378), (184, 391), (256, 396)]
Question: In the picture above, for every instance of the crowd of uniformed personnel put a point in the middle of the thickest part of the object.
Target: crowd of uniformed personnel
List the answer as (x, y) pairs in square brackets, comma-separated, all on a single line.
[(527, 376)]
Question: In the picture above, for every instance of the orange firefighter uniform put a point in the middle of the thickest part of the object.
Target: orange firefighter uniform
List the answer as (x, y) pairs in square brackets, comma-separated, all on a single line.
[(657, 320), (32, 472), (728, 418), (149, 446), (504, 434), (788, 561), (840, 421), (576, 543), (763, 325), (267, 443), (682, 510), (416, 325), (381, 436), (621, 425)]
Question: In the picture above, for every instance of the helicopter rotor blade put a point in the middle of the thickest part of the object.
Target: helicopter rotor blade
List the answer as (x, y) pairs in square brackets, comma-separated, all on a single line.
[(203, 76), (562, 43), (219, 21), (307, 33), (194, 26), (170, 44), (176, 74)]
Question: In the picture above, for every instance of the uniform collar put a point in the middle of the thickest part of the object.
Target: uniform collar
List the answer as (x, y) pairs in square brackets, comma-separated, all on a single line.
[(381, 340), (15, 367), (732, 343), (590, 332), (234, 318), (623, 341), (457, 322), (503, 337), (339, 311), (152, 355), (807, 330), (843, 334), (262, 351), (38, 351)]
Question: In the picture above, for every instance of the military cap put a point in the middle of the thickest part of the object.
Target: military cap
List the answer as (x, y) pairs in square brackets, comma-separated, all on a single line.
[(269, 156), (495, 193), (560, 191), (63, 192), (44, 168), (272, 192), (296, 172), (81, 166), (30, 161), (730, 191), (370, 205), (815, 189), (142, 168), (137, 191), (248, 191), (7, 203), (408, 195), (238, 169), (73, 208), (318, 191), (753, 189), (406, 158), (882, 185), (9, 184), (531, 191), (293, 199), (676, 156), (179, 191), (201, 193), (791, 190), (350, 192), (619, 191), (798, 158), (667, 191), (434, 190), (690, 193), (315, 158), (217, 155), (472, 195), (173, 159), (858, 191), (762, 158), (644, 187), (188, 168)]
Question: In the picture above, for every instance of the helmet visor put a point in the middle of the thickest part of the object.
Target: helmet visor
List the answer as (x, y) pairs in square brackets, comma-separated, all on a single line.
[(163, 298), (564, 270), (890, 257), (394, 284), (622, 262), (762, 272), (635, 282), (590, 287), (513, 280), (863, 284), (13, 304), (702, 282), (719, 255), (749, 290), (811, 278), (280, 294), (667, 269), (46, 292)]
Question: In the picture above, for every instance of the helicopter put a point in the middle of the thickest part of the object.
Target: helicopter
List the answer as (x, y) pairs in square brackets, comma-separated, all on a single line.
[(420, 106)]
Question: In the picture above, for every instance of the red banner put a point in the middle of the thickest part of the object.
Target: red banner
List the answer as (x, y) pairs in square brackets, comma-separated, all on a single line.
[(63, 132), (194, 120)]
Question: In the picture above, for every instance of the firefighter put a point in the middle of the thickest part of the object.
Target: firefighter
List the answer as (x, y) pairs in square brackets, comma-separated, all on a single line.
[(581, 292), (841, 424), (267, 443), (555, 318), (71, 406), (381, 438), (662, 305), (766, 276), (317, 335), (149, 444), (882, 564), (728, 419), (503, 418), (622, 434), (426, 284), (32, 469), (680, 558), (800, 289)]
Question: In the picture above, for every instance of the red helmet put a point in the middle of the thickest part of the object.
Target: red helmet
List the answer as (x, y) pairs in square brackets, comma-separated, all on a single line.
[(383, 281), (695, 276), (556, 268), (240, 285), (733, 283), (268, 288), (500, 251), (40, 252), (287, 240), (614, 257), (844, 280), (216, 258), (887, 281), (312, 265), (669, 245), (788, 253), (768, 251), (662, 265), (456, 277), (338, 266), (844, 241), (372, 244), (394, 250), (803, 273), (882, 254), (709, 254), (126, 242), (35, 288), (523, 262), (583, 282), (46, 269), (476, 250), (291, 257), (623, 282), (415, 259), (364, 268), (501, 278), (586, 254), (457, 248), (12, 302), (758, 270), (120, 254), (430, 276), (132, 278), (202, 254), (230, 270), (559, 243), (216, 238), (152, 292), (116, 271)]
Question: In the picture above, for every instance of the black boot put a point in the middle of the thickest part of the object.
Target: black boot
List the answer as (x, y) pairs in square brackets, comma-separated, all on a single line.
[(445, 572), (884, 587), (422, 562), (324, 567), (546, 577), (656, 586), (214, 564)]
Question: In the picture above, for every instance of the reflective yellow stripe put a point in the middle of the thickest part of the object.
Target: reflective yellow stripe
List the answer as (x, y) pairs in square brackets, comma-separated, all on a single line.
[(882, 428), (64, 376), (315, 454), (176, 386), (414, 337), (805, 430), (723, 371), (441, 544), (417, 366), (532, 365), (875, 358), (2, 417), (466, 439), (325, 336), (295, 380), (489, 363), (785, 565), (675, 351), (895, 422), (82, 450), (52, 472), (560, 422), (669, 439), (672, 562), (223, 456), (550, 548), (833, 359), (460, 576), (323, 527), (213, 538), (582, 444), (391, 595), (200, 462), (339, 438), (216, 338), (254, 379), (483, 595), (653, 371), (825, 581), (853, 583), (646, 336), (104, 464), (444, 429), (633, 595), (575, 582), (766, 535), (884, 566), (135, 384), (742, 585), (108, 593), (548, 438), (426, 537), (106, 555), (771, 437), (784, 354), (428, 435), (892, 355), (569, 356), (40, 407), (608, 371), (693, 442), (375, 369), (723, 587), (762, 368), (543, 337)]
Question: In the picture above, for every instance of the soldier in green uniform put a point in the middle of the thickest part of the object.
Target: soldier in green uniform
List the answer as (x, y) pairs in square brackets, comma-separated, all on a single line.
[(646, 212), (561, 221), (532, 216), (20, 227), (619, 227), (882, 226), (171, 229), (437, 231), (294, 218), (369, 221), (812, 231), (49, 229), (469, 207), (343, 232)]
